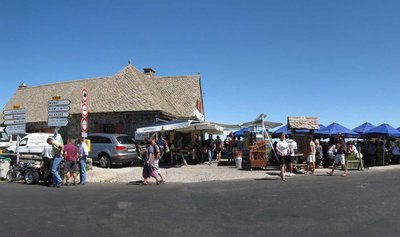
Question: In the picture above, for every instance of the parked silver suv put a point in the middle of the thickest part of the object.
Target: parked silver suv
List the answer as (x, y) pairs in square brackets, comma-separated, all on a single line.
[(112, 148)]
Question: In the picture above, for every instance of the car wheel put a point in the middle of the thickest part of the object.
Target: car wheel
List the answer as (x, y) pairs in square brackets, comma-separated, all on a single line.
[(104, 161), (10, 176), (31, 177)]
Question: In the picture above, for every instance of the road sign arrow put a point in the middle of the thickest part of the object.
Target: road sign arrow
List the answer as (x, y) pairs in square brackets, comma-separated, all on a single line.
[(57, 122), (58, 114), (14, 129), (14, 111), (14, 116), (15, 121), (59, 108), (58, 102)]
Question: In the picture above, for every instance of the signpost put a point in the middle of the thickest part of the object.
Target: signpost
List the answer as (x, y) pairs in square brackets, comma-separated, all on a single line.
[(57, 122), (15, 121), (58, 112)]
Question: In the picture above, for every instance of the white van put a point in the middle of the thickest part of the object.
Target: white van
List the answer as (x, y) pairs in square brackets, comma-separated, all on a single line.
[(32, 143)]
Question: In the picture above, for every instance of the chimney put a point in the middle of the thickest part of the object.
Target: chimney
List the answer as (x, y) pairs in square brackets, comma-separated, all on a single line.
[(149, 71), (22, 86)]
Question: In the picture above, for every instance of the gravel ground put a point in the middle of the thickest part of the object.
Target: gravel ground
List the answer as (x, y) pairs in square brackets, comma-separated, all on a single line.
[(198, 173), (181, 174)]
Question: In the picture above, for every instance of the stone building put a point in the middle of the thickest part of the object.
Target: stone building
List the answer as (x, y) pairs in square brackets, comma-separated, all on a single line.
[(116, 104)]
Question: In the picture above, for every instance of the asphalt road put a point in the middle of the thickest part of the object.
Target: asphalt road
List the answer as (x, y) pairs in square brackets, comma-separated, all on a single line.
[(362, 204)]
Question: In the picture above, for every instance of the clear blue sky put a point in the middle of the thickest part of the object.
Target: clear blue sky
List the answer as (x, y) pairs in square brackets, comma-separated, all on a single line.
[(338, 60)]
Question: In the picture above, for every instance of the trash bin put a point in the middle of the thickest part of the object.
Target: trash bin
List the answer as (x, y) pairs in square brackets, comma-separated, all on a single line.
[(238, 162), (4, 166)]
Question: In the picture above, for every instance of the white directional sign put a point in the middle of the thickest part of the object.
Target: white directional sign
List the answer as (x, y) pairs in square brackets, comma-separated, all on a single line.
[(14, 111), (59, 108), (15, 121), (58, 114), (59, 102), (57, 122), (14, 129), (14, 116)]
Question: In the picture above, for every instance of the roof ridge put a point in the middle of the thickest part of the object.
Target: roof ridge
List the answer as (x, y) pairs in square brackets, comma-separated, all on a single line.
[(68, 82)]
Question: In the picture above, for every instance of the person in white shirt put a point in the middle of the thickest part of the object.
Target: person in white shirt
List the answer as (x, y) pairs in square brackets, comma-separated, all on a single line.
[(291, 157), (47, 156), (282, 150)]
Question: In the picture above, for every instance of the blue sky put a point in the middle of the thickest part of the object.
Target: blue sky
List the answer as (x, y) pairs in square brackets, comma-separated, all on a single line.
[(338, 60)]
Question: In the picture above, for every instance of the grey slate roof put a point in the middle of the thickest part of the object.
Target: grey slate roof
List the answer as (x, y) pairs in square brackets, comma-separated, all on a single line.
[(128, 90), (303, 122)]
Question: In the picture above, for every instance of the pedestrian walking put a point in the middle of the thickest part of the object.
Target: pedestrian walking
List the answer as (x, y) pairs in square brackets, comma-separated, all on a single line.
[(282, 150), (148, 169), (83, 154), (340, 155), (156, 160)]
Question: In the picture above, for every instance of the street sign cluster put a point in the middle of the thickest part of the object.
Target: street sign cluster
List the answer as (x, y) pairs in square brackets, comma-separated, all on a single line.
[(58, 112), (85, 112), (15, 120)]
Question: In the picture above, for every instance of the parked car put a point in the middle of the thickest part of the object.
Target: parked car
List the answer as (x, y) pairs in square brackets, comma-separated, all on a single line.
[(32, 143), (8, 140), (112, 148), (4, 139)]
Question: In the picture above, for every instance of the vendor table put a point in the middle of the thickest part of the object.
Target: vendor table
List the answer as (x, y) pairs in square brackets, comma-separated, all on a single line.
[(182, 153)]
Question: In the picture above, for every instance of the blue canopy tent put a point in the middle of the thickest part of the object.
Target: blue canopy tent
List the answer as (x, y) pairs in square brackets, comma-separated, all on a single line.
[(335, 128), (363, 128), (384, 130), (288, 132), (240, 132)]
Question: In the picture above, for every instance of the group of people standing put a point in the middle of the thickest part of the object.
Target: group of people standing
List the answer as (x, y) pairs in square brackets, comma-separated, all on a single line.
[(286, 152), (55, 152)]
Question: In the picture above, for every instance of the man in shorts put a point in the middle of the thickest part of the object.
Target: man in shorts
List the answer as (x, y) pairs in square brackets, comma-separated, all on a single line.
[(71, 154), (340, 155), (310, 151)]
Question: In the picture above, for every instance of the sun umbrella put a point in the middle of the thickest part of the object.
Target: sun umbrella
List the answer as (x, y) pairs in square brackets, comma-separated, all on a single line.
[(363, 128), (335, 128), (240, 132), (383, 130)]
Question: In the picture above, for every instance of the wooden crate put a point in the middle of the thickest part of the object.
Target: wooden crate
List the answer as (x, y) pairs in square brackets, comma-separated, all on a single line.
[(353, 164), (258, 155)]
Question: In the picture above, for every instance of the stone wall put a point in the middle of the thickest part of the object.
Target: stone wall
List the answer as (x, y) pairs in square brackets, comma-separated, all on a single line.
[(126, 123)]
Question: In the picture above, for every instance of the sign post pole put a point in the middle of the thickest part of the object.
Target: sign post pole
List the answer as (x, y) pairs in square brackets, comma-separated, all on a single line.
[(18, 139)]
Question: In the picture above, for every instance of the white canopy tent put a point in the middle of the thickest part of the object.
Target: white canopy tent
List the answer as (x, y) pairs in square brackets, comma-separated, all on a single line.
[(167, 126), (206, 127)]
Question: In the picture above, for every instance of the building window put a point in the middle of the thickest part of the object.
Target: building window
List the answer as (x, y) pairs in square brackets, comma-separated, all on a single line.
[(108, 128)]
